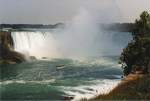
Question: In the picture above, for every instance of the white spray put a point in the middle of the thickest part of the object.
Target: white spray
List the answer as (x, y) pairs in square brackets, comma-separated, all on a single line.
[(81, 37)]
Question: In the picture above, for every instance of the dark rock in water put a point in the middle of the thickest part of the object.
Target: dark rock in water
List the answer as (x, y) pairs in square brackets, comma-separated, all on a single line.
[(32, 57), (68, 98), (60, 65), (44, 57), (90, 89), (7, 53)]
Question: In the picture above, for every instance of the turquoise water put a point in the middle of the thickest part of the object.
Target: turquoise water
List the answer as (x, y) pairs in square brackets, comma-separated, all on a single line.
[(55, 79)]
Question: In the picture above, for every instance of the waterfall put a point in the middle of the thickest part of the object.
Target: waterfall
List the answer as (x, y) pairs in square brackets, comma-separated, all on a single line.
[(60, 44), (39, 44)]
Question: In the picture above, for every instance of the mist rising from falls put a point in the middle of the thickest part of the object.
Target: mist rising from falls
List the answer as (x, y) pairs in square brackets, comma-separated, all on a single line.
[(81, 37), (59, 45)]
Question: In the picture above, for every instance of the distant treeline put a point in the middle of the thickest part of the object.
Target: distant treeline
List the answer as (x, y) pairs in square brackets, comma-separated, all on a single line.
[(19, 26), (122, 27)]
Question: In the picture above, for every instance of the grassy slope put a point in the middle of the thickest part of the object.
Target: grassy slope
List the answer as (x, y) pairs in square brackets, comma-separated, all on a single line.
[(135, 87)]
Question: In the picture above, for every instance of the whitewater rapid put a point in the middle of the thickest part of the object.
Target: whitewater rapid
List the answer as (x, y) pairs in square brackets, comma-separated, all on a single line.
[(81, 78)]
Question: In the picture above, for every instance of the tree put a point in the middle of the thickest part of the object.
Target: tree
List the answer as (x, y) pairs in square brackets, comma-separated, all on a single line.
[(137, 53), (142, 26)]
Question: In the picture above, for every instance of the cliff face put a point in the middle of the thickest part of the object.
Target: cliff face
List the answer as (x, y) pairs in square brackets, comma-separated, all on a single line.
[(7, 52)]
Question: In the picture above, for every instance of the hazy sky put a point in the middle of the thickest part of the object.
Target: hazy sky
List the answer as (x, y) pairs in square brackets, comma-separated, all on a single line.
[(53, 11)]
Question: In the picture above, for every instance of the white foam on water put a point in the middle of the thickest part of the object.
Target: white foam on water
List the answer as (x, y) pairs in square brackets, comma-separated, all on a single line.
[(90, 91), (100, 61), (25, 82)]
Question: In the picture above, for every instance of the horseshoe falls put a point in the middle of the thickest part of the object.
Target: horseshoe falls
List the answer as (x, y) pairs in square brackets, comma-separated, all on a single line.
[(70, 63)]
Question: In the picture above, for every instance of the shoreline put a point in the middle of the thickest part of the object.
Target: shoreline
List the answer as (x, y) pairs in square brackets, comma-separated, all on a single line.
[(94, 90), (122, 90)]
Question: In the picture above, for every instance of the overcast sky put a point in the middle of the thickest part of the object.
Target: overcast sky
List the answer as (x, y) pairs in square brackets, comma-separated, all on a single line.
[(53, 11)]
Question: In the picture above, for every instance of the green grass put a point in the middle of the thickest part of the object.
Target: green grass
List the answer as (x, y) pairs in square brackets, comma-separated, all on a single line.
[(138, 89)]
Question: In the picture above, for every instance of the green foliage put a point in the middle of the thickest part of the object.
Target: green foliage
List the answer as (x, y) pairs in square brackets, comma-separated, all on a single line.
[(137, 53), (142, 26)]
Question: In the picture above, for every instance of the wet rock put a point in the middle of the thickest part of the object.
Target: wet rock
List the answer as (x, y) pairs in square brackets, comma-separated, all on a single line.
[(44, 57), (32, 57), (7, 53), (68, 98)]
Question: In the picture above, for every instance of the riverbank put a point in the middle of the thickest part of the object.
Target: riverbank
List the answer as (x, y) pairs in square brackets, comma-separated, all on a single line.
[(133, 87)]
